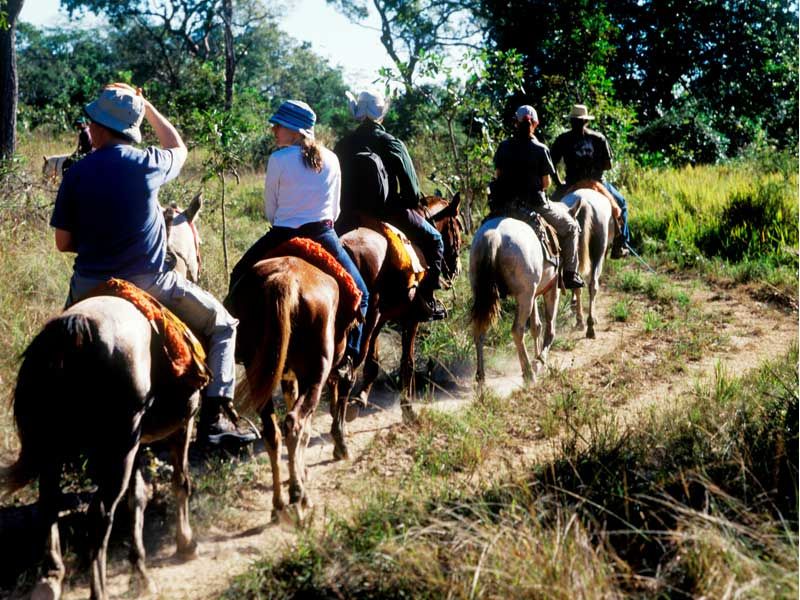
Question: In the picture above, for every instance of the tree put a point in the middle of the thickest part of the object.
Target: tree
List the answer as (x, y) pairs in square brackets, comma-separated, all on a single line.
[(9, 9), (203, 29), (411, 30)]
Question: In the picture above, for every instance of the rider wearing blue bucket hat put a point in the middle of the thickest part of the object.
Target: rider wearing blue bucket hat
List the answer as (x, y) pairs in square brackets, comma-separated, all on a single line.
[(107, 212), (301, 199)]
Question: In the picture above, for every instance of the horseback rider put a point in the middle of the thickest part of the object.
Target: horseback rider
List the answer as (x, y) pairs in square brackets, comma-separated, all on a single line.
[(586, 154), (81, 124), (523, 172), (403, 194), (107, 212), (301, 199)]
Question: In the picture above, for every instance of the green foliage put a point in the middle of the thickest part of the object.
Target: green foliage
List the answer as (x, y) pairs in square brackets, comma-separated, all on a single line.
[(752, 224)]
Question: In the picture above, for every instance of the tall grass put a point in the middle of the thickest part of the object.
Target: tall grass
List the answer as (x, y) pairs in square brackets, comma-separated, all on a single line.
[(700, 501)]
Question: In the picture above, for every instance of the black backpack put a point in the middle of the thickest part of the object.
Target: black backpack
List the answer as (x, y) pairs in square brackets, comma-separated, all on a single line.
[(370, 183)]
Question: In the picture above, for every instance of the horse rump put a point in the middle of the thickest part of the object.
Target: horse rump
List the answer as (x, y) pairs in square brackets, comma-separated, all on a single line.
[(485, 286), (40, 404), (263, 304)]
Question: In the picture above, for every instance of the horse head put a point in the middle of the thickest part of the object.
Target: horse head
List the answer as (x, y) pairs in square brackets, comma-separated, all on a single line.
[(447, 220), (183, 241)]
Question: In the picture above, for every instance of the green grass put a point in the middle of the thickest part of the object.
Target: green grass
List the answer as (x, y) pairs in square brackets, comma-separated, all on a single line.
[(700, 500)]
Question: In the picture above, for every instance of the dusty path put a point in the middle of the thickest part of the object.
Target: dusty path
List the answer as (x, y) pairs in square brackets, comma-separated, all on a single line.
[(755, 332)]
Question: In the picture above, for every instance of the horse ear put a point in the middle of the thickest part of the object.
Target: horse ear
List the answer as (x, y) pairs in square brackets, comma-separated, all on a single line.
[(194, 207), (452, 208)]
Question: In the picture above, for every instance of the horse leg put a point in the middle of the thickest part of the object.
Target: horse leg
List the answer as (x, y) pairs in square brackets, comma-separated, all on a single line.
[(186, 546), (594, 285), (371, 365), (338, 426), (272, 441), (113, 476), (526, 308), (410, 329), (297, 423), (49, 586), (137, 502), (480, 373), (578, 306), (550, 314)]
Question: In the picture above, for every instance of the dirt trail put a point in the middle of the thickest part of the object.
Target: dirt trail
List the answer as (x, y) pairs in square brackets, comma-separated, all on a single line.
[(756, 332)]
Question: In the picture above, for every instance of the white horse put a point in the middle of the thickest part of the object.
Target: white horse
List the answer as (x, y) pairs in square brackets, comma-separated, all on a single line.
[(594, 214), (506, 258)]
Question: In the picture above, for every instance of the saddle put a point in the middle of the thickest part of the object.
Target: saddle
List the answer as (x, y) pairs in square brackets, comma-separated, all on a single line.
[(185, 353), (400, 252), (546, 233), (313, 253)]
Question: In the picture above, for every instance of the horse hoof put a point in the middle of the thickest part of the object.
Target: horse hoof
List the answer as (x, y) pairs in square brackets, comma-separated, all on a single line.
[(47, 589), (142, 585), (187, 552), (351, 411), (340, 453), (578, 325), (590, 333), (409, 418)]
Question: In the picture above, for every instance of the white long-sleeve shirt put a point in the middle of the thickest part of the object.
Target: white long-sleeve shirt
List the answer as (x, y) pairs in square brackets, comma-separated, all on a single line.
[(295, 194)]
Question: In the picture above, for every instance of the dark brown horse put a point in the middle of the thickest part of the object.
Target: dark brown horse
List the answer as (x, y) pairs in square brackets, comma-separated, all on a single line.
[(292, 329), (389, 297), (95, 383)]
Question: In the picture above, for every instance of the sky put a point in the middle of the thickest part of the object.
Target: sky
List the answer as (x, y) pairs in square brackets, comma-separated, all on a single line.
[(355, 48)]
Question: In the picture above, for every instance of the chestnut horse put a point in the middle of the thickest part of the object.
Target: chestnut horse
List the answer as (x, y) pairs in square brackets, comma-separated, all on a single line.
[(390, 299), (506, 258), (95, 382), (291, 329)]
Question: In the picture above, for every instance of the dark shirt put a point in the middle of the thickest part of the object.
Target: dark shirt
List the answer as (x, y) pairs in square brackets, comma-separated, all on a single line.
[(109, 203), (403, 183), (585, 154), (522, 164)]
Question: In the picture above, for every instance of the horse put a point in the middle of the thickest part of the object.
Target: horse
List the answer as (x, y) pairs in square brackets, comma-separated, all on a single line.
[(389, 297), (100, 363), (506, 258), (53, 166), (183, 241), (594, 214), (292, 329)]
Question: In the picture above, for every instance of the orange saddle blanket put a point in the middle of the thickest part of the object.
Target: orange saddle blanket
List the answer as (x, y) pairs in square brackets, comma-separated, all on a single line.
[(312, 252), (184, 351)]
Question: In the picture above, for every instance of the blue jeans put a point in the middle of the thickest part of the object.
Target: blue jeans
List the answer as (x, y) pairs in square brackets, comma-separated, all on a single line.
[(201, 311), (324, 234), (626, 233)]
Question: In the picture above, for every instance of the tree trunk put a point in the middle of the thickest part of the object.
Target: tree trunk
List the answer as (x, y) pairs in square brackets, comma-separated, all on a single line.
[(230, 57), (8, 81)]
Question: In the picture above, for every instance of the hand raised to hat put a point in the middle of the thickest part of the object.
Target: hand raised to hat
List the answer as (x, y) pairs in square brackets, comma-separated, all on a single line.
[(136, 91)]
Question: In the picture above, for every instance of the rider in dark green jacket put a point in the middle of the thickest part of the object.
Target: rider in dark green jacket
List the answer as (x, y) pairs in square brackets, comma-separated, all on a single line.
[(403, 193)]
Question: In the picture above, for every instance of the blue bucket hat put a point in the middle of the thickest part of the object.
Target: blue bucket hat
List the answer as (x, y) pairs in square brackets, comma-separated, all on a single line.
[(120, 111), (297, 116)]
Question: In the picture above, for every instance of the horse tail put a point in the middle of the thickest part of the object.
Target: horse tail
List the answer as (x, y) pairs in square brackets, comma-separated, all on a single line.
[(582, 212), (39, 396), (269, 360), (485, 291)]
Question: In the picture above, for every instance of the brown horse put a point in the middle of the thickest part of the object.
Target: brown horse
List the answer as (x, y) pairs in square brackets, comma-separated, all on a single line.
[(291, 329), (96, 383), (389, 297)]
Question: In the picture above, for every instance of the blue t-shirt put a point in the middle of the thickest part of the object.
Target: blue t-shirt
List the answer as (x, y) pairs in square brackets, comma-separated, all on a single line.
[(109, 203)]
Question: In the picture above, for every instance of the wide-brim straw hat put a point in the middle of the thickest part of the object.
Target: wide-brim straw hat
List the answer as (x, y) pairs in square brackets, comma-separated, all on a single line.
[(369, 105), (119, 110), (579, 111), (297, 116)]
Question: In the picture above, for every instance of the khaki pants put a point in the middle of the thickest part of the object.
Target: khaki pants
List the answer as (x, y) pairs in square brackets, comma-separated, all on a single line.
[(567, 228)]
